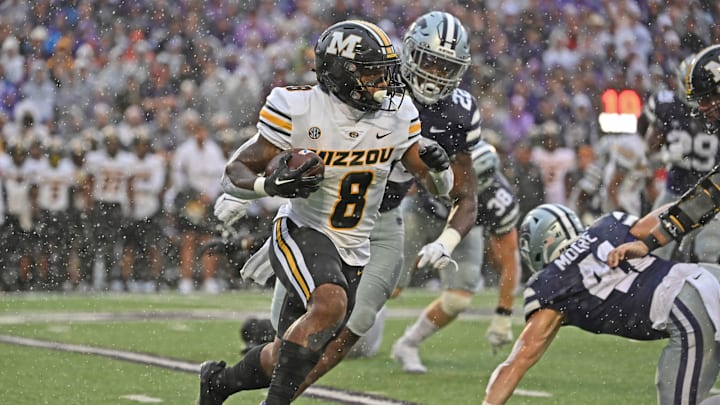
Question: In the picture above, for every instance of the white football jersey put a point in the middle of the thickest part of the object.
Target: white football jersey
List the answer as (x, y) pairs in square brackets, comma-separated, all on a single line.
[(5, 162), (54, 185), (148, 181), (628, 155), (358, 155), (110, 175), (16, 180)]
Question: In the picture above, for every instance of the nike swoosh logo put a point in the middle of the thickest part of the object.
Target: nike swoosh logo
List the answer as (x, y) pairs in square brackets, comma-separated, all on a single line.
[(378, 136), (434, 130), (279, 182)]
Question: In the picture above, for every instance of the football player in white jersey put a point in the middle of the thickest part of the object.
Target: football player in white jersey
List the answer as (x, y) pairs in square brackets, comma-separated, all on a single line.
[(435, 56), (359, 124), (54, 178), (17, 184), (108, 170), (144, 232), (5, 235)]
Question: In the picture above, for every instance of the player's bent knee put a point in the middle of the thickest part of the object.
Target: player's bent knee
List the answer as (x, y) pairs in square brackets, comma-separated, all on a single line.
[(361, 320), (329, 301), (454, 303)]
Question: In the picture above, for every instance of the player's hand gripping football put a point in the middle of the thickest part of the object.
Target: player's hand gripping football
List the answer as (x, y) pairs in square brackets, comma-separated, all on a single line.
[(434, 157), (293, 183), (499, 333)]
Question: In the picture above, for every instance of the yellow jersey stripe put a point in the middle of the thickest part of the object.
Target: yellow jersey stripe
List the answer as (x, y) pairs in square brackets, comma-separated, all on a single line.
[(275, 119), (290, 258), (414, 128)]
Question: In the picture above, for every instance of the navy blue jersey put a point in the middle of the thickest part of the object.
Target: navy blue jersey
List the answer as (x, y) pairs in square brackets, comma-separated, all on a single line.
[(498, 208), (453, 122), (394, 194), (685, 135), (593, 296)]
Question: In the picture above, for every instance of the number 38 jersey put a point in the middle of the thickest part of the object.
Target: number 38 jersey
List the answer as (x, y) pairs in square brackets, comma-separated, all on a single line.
[(358, 150), (595, 297), (498, 208)]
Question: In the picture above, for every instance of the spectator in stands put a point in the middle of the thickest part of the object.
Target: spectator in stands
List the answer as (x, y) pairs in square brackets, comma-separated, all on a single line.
[(40, 91), (518, 122), (12, 61)]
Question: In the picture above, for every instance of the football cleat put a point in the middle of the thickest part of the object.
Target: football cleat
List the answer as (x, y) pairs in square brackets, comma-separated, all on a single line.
[(408, 357), (209, 386)]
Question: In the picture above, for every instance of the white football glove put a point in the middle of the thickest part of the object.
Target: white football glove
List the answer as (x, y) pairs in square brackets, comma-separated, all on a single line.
[(499, 332), (435, 255), (229, 209)]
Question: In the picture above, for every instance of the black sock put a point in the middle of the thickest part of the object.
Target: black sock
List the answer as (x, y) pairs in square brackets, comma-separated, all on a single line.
[(294, 364), (248, 374)]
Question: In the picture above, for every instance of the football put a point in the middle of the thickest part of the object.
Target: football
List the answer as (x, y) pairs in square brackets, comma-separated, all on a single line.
[(298, 156)]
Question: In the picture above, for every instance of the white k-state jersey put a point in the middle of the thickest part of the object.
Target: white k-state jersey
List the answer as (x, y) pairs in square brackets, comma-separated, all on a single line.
[(358, 151)]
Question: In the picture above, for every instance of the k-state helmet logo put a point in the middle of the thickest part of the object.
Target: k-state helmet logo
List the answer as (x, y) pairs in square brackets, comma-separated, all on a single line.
[(342, 45)]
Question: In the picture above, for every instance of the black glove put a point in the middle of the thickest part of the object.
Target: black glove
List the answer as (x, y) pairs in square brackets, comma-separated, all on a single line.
[(434, 157), (290, 183)]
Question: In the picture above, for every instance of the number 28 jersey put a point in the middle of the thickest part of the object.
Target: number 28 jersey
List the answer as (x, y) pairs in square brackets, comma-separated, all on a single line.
[(358, 150), (593, 296)]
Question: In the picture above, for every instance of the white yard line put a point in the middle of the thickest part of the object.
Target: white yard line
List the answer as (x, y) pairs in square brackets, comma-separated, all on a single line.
[(325, 393)]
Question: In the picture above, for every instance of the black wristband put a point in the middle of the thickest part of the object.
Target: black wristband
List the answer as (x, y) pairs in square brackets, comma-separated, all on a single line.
[(503, 311), (651, 242)]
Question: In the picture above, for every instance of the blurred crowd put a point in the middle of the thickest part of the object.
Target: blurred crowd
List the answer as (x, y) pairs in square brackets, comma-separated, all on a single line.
[(117, 117)]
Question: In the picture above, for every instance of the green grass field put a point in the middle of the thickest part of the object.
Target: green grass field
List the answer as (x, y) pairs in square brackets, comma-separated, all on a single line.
[(579, 368)]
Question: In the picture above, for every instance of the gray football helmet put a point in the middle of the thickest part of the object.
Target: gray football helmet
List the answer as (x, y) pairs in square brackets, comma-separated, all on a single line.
[(486, 162), (435, 56), (545, 232)]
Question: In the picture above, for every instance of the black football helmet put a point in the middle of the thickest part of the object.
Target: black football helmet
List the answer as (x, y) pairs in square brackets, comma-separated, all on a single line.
[(703, 86), (351, 49), (703, 76)]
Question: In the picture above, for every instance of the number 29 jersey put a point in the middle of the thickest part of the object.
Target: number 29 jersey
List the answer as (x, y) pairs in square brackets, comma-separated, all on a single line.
[(688, 136), (358, 149), (593, 296)]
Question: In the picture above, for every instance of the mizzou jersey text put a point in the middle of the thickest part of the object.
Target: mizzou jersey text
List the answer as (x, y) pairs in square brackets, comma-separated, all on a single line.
[(358, 156)]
